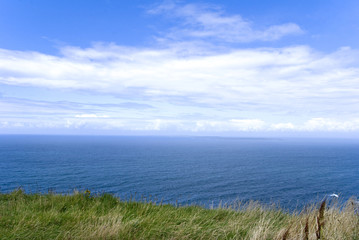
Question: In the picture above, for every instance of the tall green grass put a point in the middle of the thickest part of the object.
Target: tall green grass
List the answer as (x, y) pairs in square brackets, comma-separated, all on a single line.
[(83, 216)]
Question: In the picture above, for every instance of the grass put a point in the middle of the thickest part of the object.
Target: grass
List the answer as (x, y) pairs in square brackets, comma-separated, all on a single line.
[(83, 216)]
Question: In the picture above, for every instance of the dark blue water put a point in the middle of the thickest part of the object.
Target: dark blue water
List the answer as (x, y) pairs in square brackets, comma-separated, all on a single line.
[(199, 170)]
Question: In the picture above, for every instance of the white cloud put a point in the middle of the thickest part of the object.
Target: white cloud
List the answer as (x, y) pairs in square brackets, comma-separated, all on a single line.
[(209, 21), (90, 116), (223, 89), (323, 124), (268, 79), (233, 126), (282, 126), (241, 125)]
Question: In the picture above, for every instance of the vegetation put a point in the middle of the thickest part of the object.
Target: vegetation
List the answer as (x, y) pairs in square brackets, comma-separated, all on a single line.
[(83, 216)]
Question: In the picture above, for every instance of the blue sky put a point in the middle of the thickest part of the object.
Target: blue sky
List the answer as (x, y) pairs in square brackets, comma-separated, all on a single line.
[(231, 68)]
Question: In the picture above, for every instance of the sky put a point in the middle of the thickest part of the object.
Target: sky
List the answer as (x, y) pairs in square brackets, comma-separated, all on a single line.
[(219, 68)]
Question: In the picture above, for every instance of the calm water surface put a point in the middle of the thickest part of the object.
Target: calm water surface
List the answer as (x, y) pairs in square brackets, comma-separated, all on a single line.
[(201, 170)]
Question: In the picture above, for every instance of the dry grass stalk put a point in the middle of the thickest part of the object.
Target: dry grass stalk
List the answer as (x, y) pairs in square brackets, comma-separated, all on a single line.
[(286, 233), (306, 229), (320, 220)]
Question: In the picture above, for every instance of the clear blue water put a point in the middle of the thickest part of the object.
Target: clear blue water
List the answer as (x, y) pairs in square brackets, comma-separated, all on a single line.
[(190, 170)]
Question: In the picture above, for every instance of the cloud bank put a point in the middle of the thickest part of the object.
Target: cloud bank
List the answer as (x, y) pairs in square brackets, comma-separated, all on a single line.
[(291, 79), (186, 83), (183, 126)]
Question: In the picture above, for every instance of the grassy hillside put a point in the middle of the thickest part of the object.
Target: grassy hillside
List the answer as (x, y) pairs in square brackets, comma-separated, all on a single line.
[(83, 216)]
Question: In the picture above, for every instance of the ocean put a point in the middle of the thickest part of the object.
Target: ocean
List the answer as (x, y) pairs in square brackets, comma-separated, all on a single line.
[(205, 171)]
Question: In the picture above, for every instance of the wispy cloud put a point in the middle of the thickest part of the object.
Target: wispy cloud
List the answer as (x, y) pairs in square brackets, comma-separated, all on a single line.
[(210, 21), (91, 115), (187, 85), (276, 79)]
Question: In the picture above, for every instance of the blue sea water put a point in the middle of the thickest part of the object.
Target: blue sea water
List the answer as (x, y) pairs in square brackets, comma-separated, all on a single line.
[(189, 170)]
